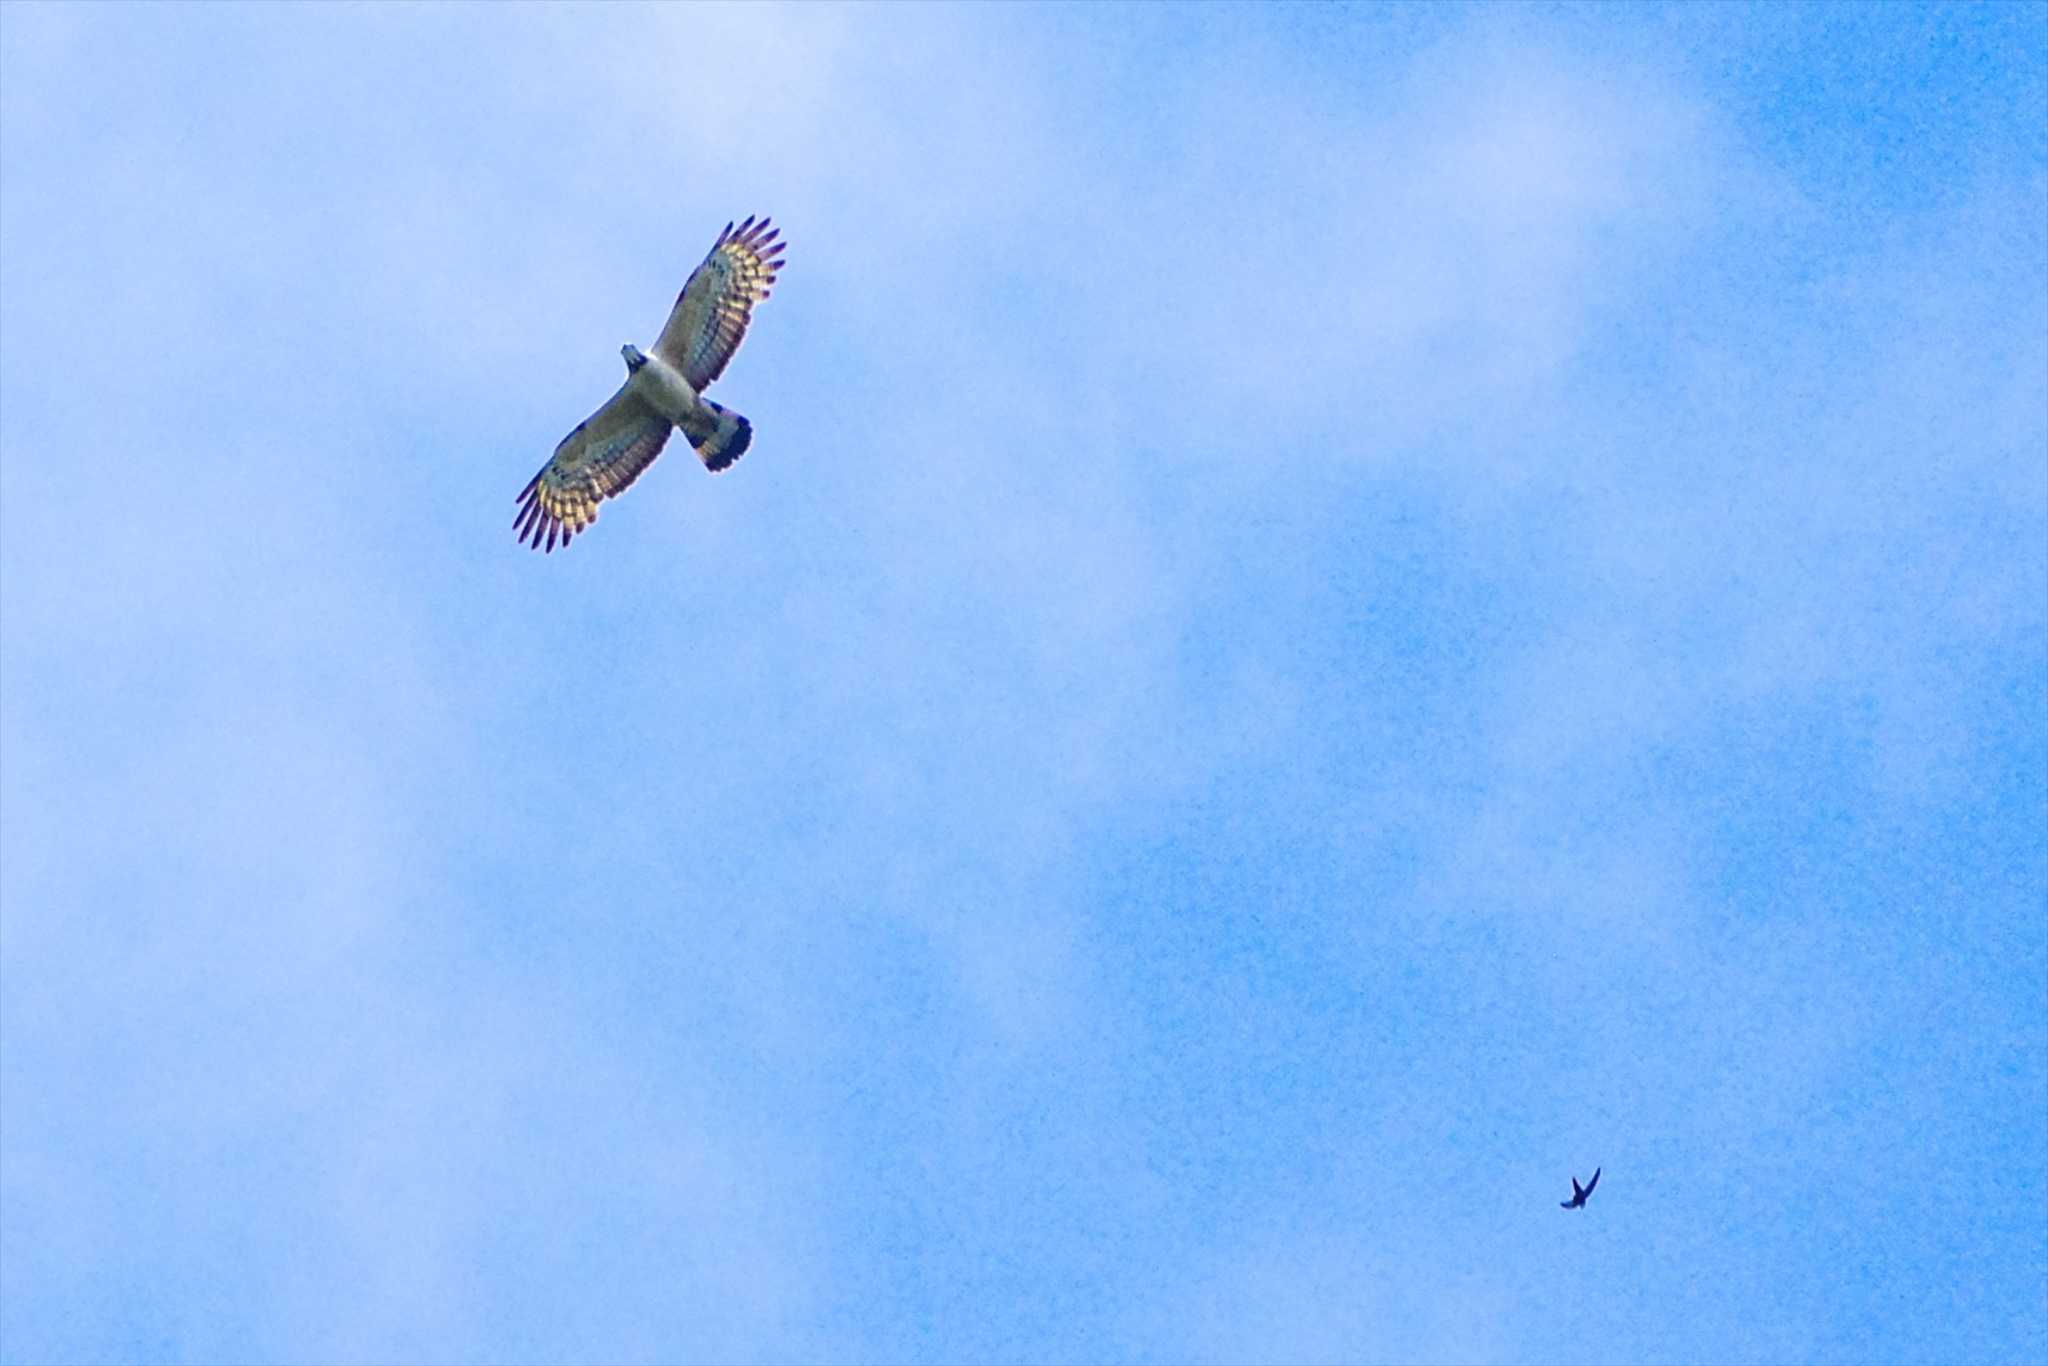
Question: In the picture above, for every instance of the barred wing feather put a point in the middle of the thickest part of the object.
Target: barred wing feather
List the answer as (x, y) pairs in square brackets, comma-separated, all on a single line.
[(711, 314), (600, 458)]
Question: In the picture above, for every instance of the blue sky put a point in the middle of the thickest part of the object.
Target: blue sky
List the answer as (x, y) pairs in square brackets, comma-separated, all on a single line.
[(1336, 615)]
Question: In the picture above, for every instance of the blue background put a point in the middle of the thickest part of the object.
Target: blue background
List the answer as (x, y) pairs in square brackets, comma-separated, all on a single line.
[(1336, 615)]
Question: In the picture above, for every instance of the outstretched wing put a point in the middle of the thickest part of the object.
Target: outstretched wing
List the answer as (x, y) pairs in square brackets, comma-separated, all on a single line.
[(600, 458), (710, 316), (1594, 1182)]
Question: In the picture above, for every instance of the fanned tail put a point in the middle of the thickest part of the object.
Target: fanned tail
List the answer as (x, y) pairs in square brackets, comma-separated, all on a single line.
[(719, 434)]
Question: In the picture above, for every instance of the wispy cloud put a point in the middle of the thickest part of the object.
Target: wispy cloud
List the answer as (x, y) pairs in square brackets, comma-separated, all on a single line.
[(1331, 619)]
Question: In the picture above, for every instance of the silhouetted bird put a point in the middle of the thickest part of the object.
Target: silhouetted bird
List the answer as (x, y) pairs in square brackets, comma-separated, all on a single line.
[(1579, 1193)]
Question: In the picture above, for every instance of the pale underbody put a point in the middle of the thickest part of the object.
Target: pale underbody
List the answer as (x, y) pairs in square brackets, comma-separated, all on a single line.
[(662, 387)]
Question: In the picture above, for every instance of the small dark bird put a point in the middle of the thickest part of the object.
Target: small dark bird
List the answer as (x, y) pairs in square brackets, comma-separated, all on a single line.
[(1579, 1193)]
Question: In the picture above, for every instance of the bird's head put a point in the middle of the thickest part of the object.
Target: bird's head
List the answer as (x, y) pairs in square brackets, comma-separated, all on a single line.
[(634, 360)]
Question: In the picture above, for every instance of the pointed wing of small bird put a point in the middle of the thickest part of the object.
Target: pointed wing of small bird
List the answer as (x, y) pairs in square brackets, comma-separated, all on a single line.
[(1590, 1184), (600, 458), (710, 316)]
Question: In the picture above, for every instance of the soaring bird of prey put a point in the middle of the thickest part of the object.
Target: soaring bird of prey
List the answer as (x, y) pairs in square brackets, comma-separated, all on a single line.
[(1579, 1193), (663, 390)]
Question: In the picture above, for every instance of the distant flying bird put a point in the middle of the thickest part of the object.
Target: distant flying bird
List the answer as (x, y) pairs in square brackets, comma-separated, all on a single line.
[(663, 389), (1579, 1194)]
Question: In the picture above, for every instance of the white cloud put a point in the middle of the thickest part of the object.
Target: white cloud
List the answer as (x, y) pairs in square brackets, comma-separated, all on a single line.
[(566, 928)]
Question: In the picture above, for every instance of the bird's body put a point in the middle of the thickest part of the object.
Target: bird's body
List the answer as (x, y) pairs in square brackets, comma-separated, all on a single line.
[(660, 385), (663, 392), (1579, 1193), (719, 435)]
